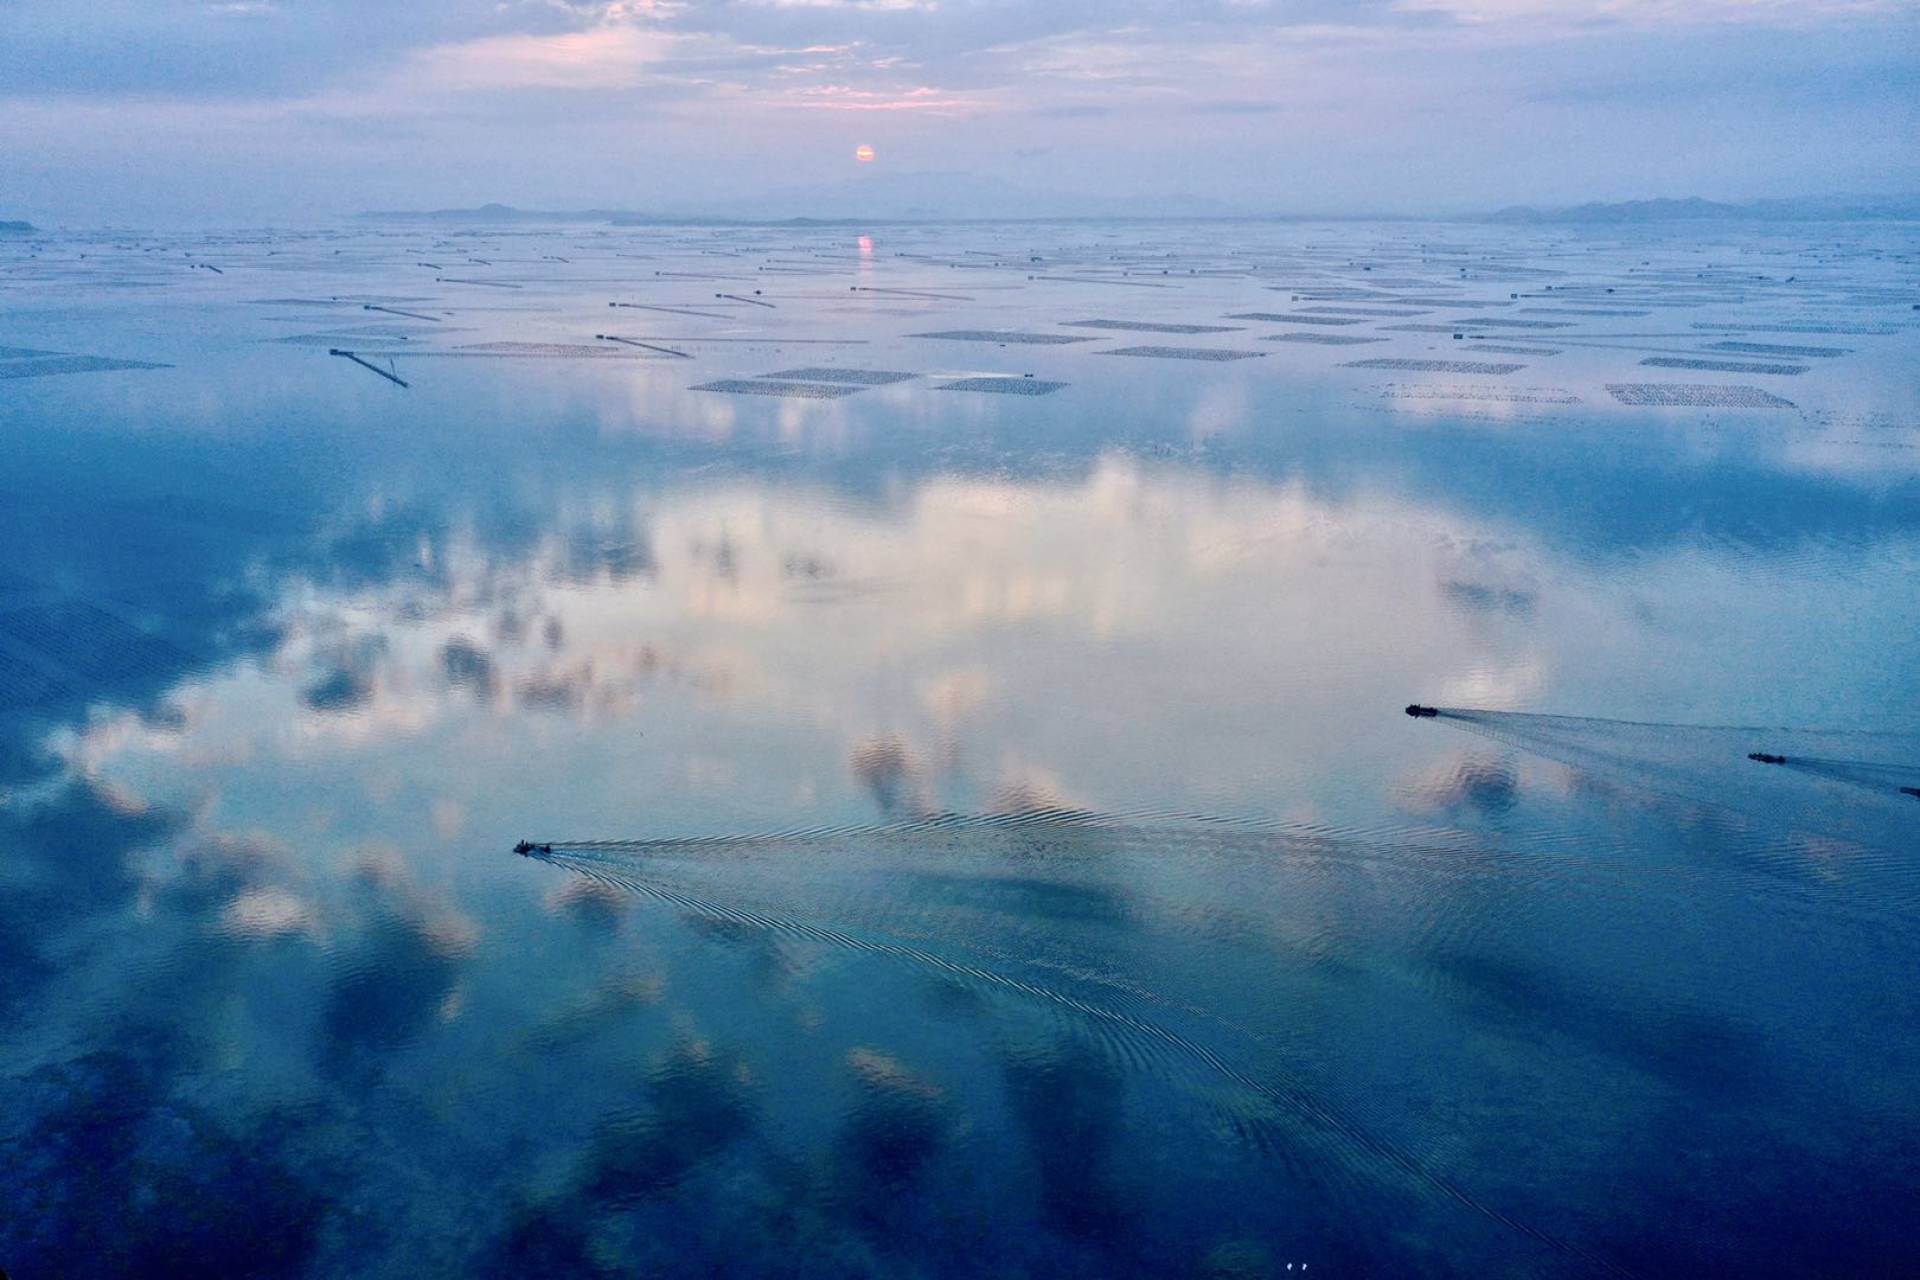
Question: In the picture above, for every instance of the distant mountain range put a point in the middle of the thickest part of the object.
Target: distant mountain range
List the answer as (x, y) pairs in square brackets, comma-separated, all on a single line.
[(504, 213), (875, 197), (1694, 209), (15, 228), (962, 197)]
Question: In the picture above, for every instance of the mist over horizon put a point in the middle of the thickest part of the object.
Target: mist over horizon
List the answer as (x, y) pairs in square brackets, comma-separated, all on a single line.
[(264, 111)]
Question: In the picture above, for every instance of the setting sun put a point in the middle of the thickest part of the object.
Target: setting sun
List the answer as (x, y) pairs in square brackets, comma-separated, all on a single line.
[(863, 153)]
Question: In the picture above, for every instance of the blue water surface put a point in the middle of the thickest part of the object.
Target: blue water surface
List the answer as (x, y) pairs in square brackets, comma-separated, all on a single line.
[(966, 832)]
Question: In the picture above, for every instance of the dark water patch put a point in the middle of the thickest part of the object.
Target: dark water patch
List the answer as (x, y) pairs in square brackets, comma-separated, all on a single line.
[(467, 666), (697, 1106), (1067, 1101), (120, 1179), (544, 1240), (884, 1155), (1489, 785), (1692, 1051), (68, 855), (386, 990), (343, 689)]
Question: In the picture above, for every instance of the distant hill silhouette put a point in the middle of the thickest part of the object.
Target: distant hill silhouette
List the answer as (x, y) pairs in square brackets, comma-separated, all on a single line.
[(878, 196), (1694, 209), (964, 197)]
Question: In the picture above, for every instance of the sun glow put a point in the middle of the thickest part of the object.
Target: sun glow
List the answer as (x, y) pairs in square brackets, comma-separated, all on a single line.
[(863, 153)]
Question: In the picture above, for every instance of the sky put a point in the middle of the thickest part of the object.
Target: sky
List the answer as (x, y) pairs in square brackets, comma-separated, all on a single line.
[(131, 111)]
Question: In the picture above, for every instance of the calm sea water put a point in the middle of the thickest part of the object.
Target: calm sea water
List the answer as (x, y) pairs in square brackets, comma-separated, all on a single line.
[(973, 832)]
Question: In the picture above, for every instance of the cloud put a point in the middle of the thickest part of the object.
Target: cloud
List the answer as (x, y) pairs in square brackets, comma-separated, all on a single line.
[(1592, 14), (338, 105), (607, 57), (846, 97)]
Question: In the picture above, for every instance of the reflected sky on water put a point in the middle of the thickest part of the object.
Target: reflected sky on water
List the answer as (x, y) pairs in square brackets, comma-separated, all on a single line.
[(985, 838)]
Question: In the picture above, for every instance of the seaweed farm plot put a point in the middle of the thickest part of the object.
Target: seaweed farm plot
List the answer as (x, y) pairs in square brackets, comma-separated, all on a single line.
[(1368, 313), (1484, 395), (1721, 366), (814, 382), (1837, 330), (852, 377), (1297, 317), (1497, 322), (1695, 395), (1215, 354), (1778, 349), (781, 387), (1006, 337), (24, 362), (1407, 364), (1006, 386), (1147, 326)]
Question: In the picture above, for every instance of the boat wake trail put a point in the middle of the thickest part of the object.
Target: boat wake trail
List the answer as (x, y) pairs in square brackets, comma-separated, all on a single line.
[(1133, 1040), (1853, 785), (930, 824)]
